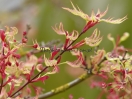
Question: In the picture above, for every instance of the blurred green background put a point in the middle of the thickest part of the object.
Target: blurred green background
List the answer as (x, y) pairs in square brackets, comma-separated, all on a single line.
[(41, 15)]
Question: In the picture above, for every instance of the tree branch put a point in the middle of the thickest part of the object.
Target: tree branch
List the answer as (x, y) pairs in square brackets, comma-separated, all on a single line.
[(66, 86)]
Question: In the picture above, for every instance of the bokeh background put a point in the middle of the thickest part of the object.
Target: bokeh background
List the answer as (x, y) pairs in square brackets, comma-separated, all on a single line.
[(41, 15)]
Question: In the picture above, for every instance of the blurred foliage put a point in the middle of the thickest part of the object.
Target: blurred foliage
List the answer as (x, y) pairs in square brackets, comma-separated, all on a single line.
[(50, 12)]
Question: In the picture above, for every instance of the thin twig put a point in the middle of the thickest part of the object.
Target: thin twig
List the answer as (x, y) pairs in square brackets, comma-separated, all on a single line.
[(65, 87)]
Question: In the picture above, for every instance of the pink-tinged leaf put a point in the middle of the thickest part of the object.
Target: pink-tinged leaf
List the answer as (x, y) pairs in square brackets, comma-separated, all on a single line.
[(49, 62), (104, 76), (77, 45), (32, 71), (2, 35), (80, 59), (55, 51), (3, 94), (11, 89), (98, 57), (117, 21), (28, 76), (94, 18), (73, 35), (98, 84), (89, 25), (94, 39), (75, 52), (28, 90), (56, 69), (13, 50), (124, 74), (38, 91), (40, 60), (76, 63), (9, 80), (78, 12), (16, 56), (43, 78), (59, 30), (66, 43), (39, 67)]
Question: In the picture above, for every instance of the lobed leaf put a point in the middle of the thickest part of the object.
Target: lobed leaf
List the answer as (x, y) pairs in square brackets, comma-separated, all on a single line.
[(94, 39)]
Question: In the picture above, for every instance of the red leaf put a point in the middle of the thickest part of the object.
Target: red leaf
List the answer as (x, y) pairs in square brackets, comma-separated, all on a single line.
[(2, 35), (66, 42), (55, 51), (11, 89), (43, 78), (89, 25), (77, 45), (28, 76), (16, 56), (9, 80)]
